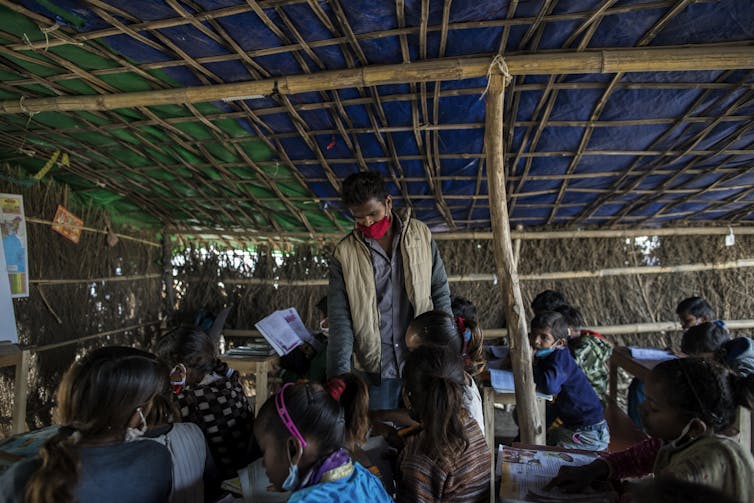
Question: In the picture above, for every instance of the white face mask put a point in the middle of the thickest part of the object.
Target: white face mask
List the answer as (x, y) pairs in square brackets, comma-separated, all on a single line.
[(679, 440), (134, 433), (322, 328)]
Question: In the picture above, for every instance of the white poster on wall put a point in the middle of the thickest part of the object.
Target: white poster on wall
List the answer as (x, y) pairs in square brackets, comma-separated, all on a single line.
[(7, 317), (15, 244)]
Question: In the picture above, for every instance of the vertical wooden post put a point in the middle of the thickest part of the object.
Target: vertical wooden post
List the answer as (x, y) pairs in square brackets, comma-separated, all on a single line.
[(167, 274), (18, 419), (530, 423)]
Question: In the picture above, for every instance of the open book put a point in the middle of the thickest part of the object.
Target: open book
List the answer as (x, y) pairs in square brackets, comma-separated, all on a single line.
[(285, 331), (502, 380)]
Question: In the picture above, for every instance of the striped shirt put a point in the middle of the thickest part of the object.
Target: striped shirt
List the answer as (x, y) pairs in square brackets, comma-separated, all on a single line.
[(423, 480)]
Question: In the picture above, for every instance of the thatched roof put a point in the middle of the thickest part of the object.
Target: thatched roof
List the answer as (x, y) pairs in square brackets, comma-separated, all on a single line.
[(599, 132)]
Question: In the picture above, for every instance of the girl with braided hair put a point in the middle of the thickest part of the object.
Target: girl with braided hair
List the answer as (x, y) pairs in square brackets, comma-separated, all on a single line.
[(103, 400), (306, 432), (689, 402)]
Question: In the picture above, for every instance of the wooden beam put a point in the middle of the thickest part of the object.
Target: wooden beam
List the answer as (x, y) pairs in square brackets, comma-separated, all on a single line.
[(253, 236), (700, 57), (530, 424)]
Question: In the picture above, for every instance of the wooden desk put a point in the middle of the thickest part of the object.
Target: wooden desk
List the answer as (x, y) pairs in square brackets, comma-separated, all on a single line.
[(11, 355), (259, 366), (490, 398), (621, 357)]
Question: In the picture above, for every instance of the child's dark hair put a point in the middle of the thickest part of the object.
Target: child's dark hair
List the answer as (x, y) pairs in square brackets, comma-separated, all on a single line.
[(704, 338), (552, 320), (464, 311), (548, 300), (572, 316), (361, 187), (695, 306), (433, 382), (97, 398), (703, 389), (336, 414), (437, 329), (189, 346)]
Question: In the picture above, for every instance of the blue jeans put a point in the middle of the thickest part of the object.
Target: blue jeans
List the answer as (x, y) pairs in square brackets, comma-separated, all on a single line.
[(595, 437), (387, 395)]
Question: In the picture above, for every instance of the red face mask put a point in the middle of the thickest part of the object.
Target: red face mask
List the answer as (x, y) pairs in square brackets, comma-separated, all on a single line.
[(377, 229)]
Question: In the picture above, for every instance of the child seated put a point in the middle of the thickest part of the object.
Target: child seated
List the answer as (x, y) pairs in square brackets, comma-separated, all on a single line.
[(102, 402), (737, 354), (210, 395), (448, 459), (304, 430), (590, 350), (688, 402), (691, 311), (556, 373)]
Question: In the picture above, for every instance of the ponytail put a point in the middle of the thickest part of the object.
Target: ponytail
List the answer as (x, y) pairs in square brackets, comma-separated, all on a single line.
[(353, 395), (434, 381), (471, 334), (57, 478)]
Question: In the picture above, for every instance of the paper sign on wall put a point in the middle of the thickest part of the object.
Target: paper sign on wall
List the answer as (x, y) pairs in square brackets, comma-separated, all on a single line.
[(67, 224), (7, 317), (15, 243)]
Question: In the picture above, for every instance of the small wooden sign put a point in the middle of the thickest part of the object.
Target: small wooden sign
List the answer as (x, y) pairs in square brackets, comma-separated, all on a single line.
[(67, 224)]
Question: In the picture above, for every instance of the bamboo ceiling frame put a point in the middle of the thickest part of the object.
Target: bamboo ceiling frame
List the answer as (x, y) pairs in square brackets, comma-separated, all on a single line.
[(694, 58)]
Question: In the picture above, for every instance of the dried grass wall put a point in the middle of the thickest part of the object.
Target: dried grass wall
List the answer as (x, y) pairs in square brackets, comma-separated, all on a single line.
[(604, 301), (56, 313)]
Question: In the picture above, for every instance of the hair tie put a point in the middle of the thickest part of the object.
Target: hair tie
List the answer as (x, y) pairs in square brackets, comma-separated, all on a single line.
[(461, 324), (719, 323), (335, 388)]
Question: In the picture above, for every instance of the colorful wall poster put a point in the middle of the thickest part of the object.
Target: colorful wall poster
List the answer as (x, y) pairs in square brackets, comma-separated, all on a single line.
[(15, 244), (7, 316), (67, 224)]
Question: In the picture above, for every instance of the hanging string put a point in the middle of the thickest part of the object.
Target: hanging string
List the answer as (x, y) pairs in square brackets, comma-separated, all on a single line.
[(498, 62)]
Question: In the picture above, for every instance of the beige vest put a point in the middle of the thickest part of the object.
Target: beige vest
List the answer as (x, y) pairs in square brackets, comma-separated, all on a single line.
[(358, 275)]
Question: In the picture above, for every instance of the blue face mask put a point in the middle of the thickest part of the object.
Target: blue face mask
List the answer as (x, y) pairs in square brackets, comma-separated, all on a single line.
[(541, 353), (292, 481)]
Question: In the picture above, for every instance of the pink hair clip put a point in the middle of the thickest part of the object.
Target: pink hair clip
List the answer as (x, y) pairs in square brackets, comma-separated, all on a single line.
[(285, 417)]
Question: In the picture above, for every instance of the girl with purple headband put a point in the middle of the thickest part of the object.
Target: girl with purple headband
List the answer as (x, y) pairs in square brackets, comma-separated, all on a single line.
[(306, 431)]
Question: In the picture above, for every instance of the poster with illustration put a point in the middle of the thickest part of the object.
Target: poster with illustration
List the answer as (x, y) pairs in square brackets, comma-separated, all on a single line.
[(13, 233)]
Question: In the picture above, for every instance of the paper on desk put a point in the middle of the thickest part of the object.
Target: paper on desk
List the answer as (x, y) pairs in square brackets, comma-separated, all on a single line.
[(650, 353), (525, 472), (502, 380)]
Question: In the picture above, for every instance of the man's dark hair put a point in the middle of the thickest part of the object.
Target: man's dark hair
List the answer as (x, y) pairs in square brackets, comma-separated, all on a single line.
[(361, 187)]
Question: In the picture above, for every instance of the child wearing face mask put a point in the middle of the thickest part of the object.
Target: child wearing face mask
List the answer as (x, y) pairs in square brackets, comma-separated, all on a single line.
[(576, 404), (688, 402), (306, 432), (102, 402)]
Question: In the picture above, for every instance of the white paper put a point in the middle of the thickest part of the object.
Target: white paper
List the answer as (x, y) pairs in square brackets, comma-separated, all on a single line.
[(297, 325), (502, 380), (7, 317), (278, 332), (650, 354)]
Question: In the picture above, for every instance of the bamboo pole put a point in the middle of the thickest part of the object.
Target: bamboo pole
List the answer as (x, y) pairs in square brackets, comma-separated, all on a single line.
[(104, 279), (628, 328), (252, 235), (699, 57), (167, 275), (39, 349), (531, 425), (91, 229), (483, 277)]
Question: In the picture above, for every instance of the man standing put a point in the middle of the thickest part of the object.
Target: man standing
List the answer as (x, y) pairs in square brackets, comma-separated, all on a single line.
[(382, 274)]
